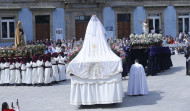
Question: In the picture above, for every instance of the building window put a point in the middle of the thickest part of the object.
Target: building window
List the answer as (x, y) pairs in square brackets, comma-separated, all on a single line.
[(154, 23), (82, 18), (7, 28), (183, 22)]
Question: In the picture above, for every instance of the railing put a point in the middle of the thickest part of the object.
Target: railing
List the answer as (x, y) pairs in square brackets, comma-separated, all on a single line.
[(176, 45)]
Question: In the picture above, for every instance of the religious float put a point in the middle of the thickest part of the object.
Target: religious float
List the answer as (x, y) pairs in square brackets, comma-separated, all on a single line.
[(20, 49), (149, 50), (27, 50)]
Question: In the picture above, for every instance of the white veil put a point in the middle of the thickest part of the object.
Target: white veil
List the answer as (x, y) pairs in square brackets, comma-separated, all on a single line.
[(95, 60)]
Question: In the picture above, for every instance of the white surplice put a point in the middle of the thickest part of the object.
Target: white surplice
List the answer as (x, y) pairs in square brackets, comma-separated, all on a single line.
[(6, 72), (137, 83), (58, 49), (28, 73), (62, 70), (40, 71), (96, 70), (2, 73), (23, 72), (55, 69), (48, 73), (17, 73), (12, 73), (34, 73)]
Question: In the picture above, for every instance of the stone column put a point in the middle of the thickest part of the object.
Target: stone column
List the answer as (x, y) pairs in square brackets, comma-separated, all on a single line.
[(170, 21), (139, 14)]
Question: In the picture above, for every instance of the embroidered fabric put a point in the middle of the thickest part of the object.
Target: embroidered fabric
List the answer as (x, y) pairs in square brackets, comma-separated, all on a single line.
[(95, 60)]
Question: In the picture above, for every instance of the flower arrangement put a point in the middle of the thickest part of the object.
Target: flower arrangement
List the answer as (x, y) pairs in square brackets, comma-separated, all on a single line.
[(115, 48), (119, 52), (22, 51), (73, 54), (142, 41)]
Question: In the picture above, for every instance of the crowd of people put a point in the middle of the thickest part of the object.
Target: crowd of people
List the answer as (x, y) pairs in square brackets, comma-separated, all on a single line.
[(57, 46), (183, 38), (56, 54)]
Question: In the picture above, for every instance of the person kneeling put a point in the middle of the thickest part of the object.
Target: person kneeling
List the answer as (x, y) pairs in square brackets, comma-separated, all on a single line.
[(137, 84)]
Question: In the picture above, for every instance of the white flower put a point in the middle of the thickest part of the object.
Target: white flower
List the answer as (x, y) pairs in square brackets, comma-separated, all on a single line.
[(131, 36), (155, 35), (141, 36), (136, 36), (159, 35), (149, 35)]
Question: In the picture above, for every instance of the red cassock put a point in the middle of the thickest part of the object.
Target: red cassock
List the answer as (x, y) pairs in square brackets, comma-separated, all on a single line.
[(8, 110)]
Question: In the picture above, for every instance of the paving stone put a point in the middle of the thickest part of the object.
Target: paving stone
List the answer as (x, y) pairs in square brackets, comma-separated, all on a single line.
[(169, 91)]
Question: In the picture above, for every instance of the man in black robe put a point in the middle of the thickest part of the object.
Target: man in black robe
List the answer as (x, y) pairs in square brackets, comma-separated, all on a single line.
[(187, 53)]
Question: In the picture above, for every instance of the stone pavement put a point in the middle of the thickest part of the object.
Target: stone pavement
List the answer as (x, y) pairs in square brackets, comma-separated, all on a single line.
[(169, 91)]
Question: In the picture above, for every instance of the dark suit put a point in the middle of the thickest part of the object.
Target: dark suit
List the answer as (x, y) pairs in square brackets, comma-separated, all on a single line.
[(187, 53)]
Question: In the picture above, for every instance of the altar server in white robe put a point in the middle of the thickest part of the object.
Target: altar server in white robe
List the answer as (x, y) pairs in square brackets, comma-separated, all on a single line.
[(34, 71), (61, 66), (137, 84), (17, 71), (12, 71), (23, 70), (28, 72), (6, 72), (40, 70), (2, 71), (48, 70), (54, 62)]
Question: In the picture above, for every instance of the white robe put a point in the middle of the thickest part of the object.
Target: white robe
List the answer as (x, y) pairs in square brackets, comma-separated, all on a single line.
[(61, 67), (137, 83), (28, 73), (40, 71), (48, 73), (58, 49), (34, 73), (12, 74), (17, 73), (2, 73), (6, 72), (96, 91), (55, 69), (23, 72)]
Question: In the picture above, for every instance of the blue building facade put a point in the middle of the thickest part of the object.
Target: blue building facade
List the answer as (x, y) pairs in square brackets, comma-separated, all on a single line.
[(53, 23)]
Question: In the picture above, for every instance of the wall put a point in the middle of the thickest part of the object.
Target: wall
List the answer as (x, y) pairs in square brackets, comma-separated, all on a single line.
[(109, 20), (6, 44), (170, 21), (25, 16), (58, 21), (139, 14)]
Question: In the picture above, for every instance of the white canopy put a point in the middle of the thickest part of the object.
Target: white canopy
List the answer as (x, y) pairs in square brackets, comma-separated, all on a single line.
[(95, 60)]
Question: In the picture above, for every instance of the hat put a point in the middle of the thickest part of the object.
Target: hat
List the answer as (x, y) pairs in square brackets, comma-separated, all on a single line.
[(23, 60), (17, 59), (28, 59), (62, 54), (34, 59), (11, 60), (54, 54), (40, 57), (49, 54), (3, 60), (6, 59), (47, 58)]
